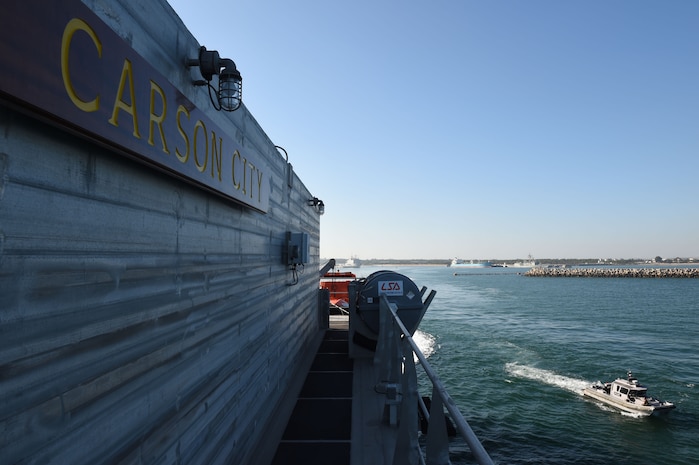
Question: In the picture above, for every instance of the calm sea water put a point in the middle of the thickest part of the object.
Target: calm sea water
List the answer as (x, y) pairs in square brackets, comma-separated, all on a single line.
[(515, 353)]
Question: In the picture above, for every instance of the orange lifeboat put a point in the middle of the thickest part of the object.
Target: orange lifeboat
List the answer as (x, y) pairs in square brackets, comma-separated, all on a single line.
[(337, 283)]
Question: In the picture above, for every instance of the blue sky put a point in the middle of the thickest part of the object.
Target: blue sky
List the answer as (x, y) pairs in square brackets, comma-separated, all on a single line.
[(478, 129)]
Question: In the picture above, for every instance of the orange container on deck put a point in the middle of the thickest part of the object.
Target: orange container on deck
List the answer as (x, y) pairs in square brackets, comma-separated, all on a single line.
[(337, 284)]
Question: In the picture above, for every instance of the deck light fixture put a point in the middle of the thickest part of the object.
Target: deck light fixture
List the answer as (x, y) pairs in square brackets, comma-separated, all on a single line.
[(230, 84), (318, 204)]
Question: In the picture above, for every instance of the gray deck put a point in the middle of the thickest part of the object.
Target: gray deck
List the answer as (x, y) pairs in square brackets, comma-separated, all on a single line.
[(332, 423)]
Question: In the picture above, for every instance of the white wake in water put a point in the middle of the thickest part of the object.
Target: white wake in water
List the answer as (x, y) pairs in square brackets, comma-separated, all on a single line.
[(547, 377), (426, 342)]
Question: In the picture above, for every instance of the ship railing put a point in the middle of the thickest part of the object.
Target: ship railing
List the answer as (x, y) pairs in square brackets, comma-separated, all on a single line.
[(397, 369), (327, 267)]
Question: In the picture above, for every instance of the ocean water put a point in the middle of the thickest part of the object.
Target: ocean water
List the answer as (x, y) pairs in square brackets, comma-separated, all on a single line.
[(515, 352)]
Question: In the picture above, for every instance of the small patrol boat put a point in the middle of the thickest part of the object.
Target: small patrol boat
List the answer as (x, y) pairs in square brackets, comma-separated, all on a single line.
[(627, 395)]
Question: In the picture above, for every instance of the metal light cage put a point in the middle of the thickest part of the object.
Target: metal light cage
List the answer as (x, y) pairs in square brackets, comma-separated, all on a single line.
[(230, 87), (230, 82)]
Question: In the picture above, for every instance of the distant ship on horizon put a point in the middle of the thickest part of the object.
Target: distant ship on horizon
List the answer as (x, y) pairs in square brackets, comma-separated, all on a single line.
[(352, 262), (528, 263), (458, 263)]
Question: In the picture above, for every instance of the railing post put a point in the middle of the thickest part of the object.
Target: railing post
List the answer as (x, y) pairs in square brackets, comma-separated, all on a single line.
[(383, 357), (407, 450), (437, 444), (390, 365), (388, 359)]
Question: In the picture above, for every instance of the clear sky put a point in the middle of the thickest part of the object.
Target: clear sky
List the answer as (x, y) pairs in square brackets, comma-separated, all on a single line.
[(478, 129)]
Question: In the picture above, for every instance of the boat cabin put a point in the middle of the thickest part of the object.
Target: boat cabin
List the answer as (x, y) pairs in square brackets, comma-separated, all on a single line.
[(627, 389)]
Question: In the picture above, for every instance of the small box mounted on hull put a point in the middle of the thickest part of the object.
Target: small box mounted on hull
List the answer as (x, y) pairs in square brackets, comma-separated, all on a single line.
[(296, 249)]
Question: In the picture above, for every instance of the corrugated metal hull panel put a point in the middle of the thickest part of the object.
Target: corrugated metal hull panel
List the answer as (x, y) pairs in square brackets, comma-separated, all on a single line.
[(139, 327), (141, 320)]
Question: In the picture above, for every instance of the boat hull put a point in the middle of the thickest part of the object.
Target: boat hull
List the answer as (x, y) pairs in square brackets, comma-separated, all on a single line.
[(624, 405)]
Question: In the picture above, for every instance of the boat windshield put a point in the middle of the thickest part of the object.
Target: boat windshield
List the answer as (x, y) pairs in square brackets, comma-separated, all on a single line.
[(637, 393)]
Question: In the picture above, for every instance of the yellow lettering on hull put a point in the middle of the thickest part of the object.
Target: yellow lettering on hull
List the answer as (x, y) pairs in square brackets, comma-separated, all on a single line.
[(206, 147), (73, 26)]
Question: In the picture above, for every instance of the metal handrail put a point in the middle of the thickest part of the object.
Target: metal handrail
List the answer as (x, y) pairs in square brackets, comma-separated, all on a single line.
[(439, 390), (327, 267)]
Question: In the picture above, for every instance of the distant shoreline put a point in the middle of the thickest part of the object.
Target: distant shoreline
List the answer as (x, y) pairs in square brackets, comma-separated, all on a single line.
[(586, 262)]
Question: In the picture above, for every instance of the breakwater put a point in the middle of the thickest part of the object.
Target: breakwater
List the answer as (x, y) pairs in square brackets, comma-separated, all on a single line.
[(614, 272)]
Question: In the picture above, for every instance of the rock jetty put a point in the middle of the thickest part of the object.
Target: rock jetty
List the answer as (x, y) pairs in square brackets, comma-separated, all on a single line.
[(614, 272)]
